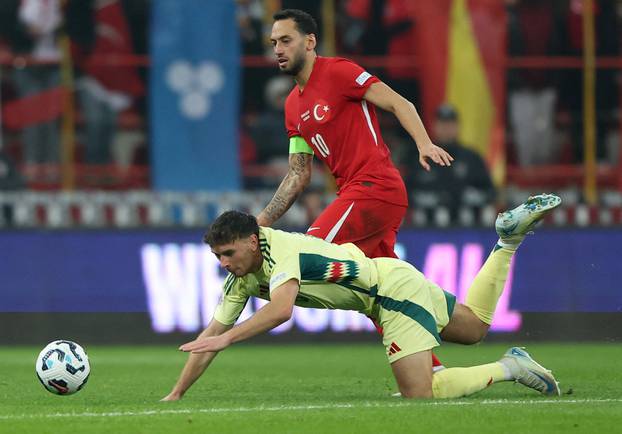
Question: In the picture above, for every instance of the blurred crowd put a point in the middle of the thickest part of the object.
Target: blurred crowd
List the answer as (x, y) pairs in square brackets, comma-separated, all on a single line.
[(48, 45), (544, 110)]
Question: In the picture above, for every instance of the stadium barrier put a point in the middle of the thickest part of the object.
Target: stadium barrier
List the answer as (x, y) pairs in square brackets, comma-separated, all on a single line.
[(132, 209)]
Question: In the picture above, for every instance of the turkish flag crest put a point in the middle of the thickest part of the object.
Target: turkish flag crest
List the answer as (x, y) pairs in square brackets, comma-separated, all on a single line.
[(321, 111)]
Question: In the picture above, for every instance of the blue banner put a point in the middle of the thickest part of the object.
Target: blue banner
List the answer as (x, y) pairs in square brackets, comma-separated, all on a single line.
[(194, 92)]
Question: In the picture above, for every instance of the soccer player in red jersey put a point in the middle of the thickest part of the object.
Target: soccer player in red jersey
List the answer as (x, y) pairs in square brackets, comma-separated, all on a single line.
[(331, 114)]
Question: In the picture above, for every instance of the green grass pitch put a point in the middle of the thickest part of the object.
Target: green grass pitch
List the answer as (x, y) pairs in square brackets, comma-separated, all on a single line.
[(307, 389)]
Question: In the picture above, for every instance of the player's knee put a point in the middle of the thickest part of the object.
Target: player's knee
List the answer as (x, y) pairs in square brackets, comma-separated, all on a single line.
[(470, 326), (416, 392), (481, 331), (476, 334)]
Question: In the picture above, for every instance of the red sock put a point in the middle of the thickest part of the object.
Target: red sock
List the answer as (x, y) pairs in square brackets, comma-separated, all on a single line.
[(435, 361)]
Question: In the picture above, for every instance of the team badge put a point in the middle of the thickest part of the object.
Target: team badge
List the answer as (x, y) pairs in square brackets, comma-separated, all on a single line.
[(321, 111)]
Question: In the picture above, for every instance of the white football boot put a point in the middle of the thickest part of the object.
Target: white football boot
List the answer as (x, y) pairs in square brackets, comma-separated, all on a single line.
[(528, 372), (513, 225)]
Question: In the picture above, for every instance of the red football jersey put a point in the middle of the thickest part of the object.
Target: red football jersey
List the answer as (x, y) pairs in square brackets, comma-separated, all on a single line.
[(342, 129)]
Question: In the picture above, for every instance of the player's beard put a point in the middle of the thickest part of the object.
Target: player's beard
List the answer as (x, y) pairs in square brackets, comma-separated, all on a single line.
[(297, 63)]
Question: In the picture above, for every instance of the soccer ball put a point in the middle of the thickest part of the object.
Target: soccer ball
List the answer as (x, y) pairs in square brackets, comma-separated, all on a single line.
[(63, 367)]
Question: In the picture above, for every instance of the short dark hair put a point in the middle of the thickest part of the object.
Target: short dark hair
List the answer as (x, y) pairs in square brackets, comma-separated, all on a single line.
[(446, 112), (229, 227), (305, 23)]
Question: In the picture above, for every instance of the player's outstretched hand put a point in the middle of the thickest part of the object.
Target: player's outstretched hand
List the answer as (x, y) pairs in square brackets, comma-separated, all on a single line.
[(204, 345), (434, 153)]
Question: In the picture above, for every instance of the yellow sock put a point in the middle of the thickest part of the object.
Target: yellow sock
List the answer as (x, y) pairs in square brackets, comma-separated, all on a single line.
[(457, 382), (484, 292)]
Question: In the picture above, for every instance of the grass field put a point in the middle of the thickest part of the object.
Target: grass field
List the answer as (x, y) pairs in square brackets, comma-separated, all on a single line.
[(307, 389)]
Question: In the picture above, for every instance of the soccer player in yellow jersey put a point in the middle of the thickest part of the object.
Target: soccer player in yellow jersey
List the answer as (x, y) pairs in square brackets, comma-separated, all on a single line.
[(294, 269)]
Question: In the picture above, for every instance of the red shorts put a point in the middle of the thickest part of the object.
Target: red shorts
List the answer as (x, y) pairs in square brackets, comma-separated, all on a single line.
[(370, 224)]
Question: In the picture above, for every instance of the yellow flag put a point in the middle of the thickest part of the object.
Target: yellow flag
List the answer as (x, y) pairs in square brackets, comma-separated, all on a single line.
[(468, 88)]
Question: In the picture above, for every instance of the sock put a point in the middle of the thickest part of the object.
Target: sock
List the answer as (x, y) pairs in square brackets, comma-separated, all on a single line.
[(484, 292), (508, 245), (458, 382)]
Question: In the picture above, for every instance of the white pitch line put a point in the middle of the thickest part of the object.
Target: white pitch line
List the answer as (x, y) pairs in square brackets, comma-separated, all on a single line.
[(443, 403)]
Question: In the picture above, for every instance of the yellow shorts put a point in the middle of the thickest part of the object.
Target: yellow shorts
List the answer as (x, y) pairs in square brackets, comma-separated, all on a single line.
[(411, 310)]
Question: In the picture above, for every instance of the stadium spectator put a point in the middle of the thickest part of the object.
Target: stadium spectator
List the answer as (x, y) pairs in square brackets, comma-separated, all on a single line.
[(384, 28), (533, 94), (290, 269), (545, 110), (466, 183), (250, 23), (331, 114), (267, 128), (10, 179), (105, 90), (10, 176), (607, 43), (32, 36)]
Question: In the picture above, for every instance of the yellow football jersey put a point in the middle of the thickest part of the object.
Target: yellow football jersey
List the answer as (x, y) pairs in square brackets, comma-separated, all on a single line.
[(331, 276)]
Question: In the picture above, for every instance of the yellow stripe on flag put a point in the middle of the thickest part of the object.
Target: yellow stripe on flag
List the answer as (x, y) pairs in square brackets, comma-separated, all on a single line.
[(467, 85)]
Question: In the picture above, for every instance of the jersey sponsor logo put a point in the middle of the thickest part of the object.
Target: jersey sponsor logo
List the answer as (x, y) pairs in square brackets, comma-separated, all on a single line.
[(306, 115), (321, 111), (361, 79), (312, 228)]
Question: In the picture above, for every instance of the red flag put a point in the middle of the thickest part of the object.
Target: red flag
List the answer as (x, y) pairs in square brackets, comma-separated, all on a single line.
[(113, 39), (33, 109)]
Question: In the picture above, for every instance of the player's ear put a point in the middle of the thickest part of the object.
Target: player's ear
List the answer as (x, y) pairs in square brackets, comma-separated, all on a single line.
[(253, 242), (311, 42)]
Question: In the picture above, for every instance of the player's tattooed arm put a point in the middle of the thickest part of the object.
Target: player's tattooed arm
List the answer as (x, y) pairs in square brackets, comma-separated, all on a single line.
[(296, 180)]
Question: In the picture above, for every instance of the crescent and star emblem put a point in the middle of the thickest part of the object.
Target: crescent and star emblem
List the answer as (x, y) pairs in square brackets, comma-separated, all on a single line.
[(320, 109)]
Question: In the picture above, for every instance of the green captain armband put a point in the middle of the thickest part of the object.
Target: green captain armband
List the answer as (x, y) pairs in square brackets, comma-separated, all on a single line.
[(298, 145)]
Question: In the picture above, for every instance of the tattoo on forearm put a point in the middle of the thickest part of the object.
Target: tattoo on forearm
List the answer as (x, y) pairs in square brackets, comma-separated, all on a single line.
[(290, 187), (300, 163), (280, 202)]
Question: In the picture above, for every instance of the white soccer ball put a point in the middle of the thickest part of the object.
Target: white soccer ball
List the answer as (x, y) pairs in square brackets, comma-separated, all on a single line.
[(63, 367)]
